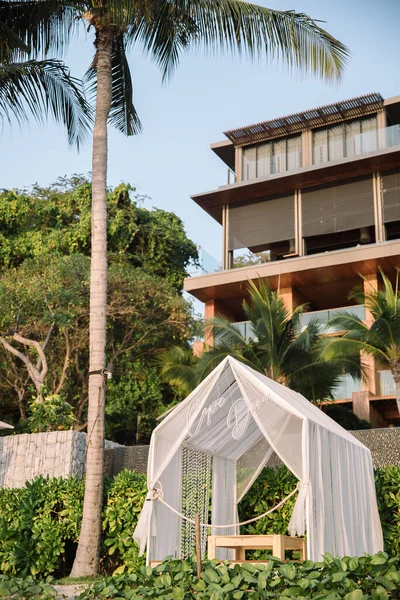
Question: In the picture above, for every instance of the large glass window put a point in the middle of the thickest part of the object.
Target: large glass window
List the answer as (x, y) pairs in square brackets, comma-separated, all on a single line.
[(276, 156), (345, 140), (338, 208), (258, 225), (391, 204)]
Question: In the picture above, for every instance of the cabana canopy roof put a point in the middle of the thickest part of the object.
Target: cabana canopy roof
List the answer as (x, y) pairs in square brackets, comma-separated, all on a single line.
[(239, 417)]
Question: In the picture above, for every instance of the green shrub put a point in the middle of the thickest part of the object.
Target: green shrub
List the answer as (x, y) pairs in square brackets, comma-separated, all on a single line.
[(368, 577), (52, 414), (39, 524), (124, 502), (16, 587)]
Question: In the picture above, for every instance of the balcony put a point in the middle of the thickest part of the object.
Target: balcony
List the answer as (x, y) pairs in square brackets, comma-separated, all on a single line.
[(387, 385), (263, 165), (324, 316)]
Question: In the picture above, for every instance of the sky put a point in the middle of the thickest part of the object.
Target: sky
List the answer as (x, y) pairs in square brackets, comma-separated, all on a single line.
[(171, 159)]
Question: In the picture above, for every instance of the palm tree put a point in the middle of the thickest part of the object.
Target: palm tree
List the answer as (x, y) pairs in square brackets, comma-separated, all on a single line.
[(164, 29), (381, 340), (279, 347), (37, 87)]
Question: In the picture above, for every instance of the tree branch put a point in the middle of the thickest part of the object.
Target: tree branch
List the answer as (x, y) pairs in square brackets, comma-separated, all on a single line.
[(66, 364)]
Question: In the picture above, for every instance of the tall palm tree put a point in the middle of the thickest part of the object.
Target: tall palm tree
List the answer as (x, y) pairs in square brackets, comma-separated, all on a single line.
[(37, 88), (164, 29), (381, 340), (279, 347)]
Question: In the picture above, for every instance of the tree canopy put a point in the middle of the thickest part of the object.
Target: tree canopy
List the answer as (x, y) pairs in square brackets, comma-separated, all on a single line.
[(44, 301), (56, 219)]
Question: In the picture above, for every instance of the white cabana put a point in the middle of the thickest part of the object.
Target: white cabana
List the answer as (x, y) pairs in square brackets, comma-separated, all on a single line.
[(228, 427)]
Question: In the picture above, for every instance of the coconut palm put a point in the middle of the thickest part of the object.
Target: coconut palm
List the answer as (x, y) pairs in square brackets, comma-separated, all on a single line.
[(381, 339), (279, 347), (164, 29), (37, 88)]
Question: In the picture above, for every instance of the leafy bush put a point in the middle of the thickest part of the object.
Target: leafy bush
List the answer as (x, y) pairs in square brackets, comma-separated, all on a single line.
[(52, 414), (39, 524), (369, 577), (16, 587)]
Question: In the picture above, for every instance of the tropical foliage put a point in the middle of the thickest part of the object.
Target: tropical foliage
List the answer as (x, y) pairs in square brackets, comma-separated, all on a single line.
[(350, 578), (379, 339), (37, 88), (279, 347), (44, 300), (39, 524)]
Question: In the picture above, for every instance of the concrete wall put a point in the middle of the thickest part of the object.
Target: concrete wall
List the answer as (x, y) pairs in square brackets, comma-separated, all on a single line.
[(62, 453), (57, 453)]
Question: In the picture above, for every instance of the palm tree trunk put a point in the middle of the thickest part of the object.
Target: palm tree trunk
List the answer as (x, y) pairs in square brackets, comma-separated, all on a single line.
[(87, 556)]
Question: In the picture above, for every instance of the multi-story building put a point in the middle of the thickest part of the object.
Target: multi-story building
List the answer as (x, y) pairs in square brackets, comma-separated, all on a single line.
[(317, 193)]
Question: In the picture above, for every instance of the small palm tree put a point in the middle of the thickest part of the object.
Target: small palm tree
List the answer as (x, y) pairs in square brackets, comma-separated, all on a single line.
[(381, 340), (279, 347), (37, 87)]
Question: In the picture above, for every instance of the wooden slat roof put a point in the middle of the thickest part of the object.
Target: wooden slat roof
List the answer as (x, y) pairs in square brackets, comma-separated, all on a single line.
[(315, 117)]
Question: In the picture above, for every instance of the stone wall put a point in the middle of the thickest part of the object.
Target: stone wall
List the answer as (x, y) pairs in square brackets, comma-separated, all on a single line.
[(57, 453), (383, 443), (62, 453)]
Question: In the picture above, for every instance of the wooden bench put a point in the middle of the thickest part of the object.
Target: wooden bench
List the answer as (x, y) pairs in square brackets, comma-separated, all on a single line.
[(240, 543)]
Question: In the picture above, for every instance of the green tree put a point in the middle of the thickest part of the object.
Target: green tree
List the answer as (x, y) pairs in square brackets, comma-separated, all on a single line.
[(381, 339), (37, 88), (278, 347), (44, 315), (56, 219)]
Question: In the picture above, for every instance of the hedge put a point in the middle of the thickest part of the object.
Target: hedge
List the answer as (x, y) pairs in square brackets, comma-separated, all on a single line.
[(368, 577), (39, 524)]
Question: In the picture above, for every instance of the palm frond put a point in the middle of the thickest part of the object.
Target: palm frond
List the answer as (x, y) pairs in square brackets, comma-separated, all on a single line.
[(42, 27), (43, 88), (178, 368), (123, 114), (236, 26)]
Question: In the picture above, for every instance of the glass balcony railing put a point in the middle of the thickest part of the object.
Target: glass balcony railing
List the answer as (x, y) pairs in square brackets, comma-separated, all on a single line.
[(356, 145), (341, 148), (346, 387), (246, 329), (386, 383), (324, 316)]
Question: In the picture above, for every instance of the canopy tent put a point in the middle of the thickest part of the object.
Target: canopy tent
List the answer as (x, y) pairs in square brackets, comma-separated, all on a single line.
[(5, 425), (229, 426)]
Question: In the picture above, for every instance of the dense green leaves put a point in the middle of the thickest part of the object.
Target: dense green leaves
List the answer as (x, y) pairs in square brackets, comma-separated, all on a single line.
[(44, 248), (39, 526), (45, 221), (279, 347), (349, 578)]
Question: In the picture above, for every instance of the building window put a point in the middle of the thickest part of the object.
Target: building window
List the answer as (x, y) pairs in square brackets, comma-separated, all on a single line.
[(391, 204), (338, 216), (345, 140), (277, 156)]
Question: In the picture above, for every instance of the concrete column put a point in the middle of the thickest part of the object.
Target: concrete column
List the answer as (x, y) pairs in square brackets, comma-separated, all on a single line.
[(361, 406), (370, 284), (212, 309), (306, 148), (238, 163)]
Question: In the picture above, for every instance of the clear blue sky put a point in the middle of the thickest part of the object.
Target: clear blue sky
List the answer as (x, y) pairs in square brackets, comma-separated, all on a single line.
[(171, 160)]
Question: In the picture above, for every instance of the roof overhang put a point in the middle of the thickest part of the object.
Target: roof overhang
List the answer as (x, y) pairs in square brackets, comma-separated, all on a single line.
[(315, 117), (316, 276), (225, 150), (303, 178)]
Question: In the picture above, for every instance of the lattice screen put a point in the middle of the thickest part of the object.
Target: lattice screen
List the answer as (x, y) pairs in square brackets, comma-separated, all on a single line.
[(196, 497)]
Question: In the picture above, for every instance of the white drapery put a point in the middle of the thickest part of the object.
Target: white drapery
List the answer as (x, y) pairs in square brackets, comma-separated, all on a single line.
[(240, 417)]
